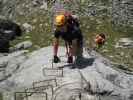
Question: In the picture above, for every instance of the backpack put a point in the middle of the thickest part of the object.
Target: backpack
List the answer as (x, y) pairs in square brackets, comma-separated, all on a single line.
[(71, 19)]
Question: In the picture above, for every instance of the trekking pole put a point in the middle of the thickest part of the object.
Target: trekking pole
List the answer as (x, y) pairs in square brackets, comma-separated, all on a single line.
[(80, 95), (91, 47), (66, 49), (52, 64), (87, 48)]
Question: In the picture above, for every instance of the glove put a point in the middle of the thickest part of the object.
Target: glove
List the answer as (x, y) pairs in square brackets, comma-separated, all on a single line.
[(56, 59)]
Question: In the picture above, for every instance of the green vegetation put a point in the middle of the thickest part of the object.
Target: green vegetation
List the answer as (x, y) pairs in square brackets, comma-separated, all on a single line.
[(40, 35), (1, 97)]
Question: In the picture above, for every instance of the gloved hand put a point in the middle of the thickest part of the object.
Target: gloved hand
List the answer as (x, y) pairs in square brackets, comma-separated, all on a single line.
[(56, 59)]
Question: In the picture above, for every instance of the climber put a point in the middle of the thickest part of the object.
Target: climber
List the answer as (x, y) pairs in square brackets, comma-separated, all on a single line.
[(67, 27), (100, 40)]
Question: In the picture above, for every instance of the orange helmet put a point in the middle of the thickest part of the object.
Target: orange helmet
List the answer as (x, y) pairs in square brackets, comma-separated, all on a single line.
[(60, 20)]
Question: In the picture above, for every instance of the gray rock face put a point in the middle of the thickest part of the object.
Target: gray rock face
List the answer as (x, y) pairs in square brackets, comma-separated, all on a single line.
[(10, 63), (122, 12), (124, 43), (8, 8), (94, 79)]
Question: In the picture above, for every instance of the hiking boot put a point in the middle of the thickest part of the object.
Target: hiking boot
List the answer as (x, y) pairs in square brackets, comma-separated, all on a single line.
[(56, 59), (70, 59), (79, 60)]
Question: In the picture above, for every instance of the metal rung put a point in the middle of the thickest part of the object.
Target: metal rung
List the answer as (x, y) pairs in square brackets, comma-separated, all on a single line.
[(52, 82), (58, 72), (24, 95), (40, 89)]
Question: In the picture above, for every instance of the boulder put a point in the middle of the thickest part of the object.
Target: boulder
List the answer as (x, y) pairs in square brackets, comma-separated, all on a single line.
[(27, 27), (124, 43), (4, 45), (21, 46), (8, 31)]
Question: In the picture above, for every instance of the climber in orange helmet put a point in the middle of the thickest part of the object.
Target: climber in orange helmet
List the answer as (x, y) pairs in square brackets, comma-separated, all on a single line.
[(68, 29)]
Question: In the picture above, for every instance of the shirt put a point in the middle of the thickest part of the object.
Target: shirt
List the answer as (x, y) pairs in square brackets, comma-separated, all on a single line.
[(70, 34)]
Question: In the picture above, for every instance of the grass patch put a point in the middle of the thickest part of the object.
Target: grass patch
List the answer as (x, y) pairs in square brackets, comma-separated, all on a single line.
[(1, 96)]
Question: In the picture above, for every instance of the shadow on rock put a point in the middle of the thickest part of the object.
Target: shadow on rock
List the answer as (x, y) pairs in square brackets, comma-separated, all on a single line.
[(82, 63)]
